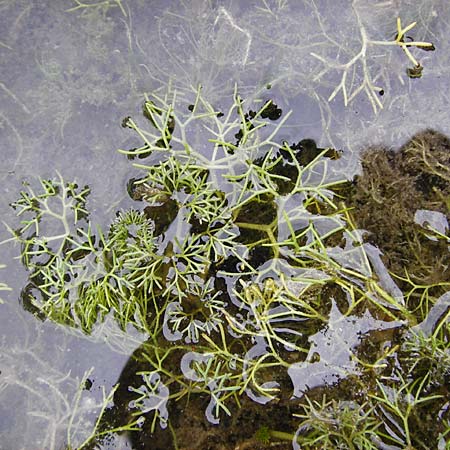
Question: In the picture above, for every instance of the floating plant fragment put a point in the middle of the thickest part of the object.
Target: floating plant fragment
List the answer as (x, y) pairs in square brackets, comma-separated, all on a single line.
[(153, 396)]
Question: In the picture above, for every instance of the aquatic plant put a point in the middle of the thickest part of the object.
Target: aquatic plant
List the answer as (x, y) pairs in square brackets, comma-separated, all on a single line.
[(358, 63), (102, 5), (331, 424), (56, 401), (410, 385), (3, 286), (240, 260), (398, 404)]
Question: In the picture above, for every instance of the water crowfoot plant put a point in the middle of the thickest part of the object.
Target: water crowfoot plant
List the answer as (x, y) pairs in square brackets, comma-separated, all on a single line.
[(242, 265), (330, 424), (358, 63)]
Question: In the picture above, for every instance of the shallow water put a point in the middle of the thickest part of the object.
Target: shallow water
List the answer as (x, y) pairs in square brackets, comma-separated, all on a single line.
[(70, 75)]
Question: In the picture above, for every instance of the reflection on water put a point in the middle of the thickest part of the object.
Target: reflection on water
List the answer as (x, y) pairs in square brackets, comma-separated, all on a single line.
[(260, 283)]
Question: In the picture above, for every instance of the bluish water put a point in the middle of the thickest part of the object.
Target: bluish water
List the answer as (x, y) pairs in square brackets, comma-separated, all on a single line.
[(70, 75)]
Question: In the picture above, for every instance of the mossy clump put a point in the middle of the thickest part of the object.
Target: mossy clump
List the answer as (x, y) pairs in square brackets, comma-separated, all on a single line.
[(384, 199)]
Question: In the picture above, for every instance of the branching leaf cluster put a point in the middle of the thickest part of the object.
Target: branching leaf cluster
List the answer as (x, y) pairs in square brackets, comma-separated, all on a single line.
[(233, 258), (356, 72)]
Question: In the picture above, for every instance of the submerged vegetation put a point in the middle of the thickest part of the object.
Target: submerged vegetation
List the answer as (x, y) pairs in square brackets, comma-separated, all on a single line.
[(3, 286), (245, 266), (368, 86)]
